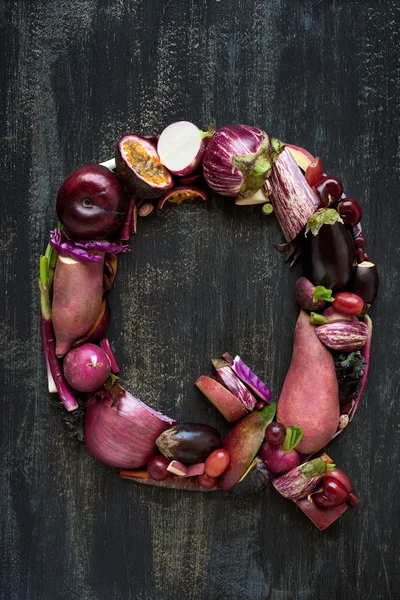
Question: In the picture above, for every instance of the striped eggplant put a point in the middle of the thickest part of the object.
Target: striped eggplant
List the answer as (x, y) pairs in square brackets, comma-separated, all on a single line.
[(238, 160), (228, 378), (343, 336), (302, 480), (292, 198)]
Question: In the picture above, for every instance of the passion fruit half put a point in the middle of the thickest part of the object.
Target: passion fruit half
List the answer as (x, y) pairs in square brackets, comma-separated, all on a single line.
[(182, 193), (139, 168)]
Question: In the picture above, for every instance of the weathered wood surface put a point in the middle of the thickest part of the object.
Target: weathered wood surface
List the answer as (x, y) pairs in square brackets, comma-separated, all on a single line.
[(201, 279)]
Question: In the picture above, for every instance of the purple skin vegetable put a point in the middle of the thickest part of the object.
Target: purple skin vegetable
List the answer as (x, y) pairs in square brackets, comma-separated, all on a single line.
[(86, 368), (293, 199), (251, 379), (310, 297), (280, 459), (105, 344), (65, 393), (366, 354), (228, 378), (330, 315), (238, 160), (343, 336), (188, 484), (302, 480)]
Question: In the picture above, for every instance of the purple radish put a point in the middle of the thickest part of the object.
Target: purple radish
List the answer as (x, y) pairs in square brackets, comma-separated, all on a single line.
[(330, 315), (87, 368), (280, 459), (310, 297), (181, 147)]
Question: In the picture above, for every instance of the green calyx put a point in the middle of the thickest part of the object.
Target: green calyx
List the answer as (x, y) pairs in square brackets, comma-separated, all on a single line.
[(317, 466), (210, 131), (293, 437), (322, 293), (323, 216), (316, 319), (256, 168)]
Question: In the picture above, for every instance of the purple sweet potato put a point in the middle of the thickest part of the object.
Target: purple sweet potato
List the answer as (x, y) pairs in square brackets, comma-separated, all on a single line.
[(77, 297), (309, 397)]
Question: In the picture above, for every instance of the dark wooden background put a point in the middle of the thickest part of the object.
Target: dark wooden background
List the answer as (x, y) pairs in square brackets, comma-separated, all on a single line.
[(75, 76)]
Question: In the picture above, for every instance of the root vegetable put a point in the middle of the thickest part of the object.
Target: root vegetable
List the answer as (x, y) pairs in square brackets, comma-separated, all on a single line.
[(77, 297), (309, 396), (86, 368)]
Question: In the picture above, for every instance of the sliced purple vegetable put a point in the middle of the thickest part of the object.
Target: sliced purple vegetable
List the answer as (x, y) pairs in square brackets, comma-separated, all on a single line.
[(187, 484), (82, 250), (293, 199), (302, 480), (228, 378), (181, 147), (251, 379)]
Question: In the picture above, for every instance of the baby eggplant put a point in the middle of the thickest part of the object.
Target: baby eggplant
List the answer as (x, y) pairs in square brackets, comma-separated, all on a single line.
[(330, 257), (189, 443), (366, 283)]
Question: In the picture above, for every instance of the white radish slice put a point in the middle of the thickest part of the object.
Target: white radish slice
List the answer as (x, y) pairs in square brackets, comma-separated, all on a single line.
[(181, 147)]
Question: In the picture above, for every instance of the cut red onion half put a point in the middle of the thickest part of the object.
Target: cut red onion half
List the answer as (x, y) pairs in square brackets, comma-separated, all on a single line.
[(121, 430)]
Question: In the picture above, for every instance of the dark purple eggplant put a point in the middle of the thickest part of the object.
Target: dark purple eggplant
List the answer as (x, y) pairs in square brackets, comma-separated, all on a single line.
[(366, 283), (189, 443), (329, 258)]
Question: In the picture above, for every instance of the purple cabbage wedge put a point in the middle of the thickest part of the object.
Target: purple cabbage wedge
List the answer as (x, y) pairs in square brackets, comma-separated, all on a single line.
[(228, 378), (251, 379), (82, 250), (238, 160), (293, 199)]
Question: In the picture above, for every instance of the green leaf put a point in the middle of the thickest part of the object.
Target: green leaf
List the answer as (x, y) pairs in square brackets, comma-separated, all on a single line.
[(323, 216), (293, 437), (322, 293)]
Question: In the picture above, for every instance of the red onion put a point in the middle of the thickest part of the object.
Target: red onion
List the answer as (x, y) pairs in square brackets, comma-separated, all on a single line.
[(238, 159), (120, 430)]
